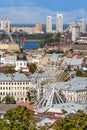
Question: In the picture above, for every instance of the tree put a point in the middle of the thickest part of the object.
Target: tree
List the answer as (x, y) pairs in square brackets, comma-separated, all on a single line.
[(77, 122), (9, 99), (31, 95), (9, 71), (63, 111), (3, 125), (20, 118), (32, 67)]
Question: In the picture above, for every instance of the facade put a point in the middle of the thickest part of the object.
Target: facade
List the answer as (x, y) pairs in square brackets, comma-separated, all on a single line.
[(59, 23), (82, 25), (74, 90), (15, 85), (9, 47), (75, 32), (8, 60), (77, 90), (49, 24), (39, 27), (29, 30), (5, 24), (74, 62)]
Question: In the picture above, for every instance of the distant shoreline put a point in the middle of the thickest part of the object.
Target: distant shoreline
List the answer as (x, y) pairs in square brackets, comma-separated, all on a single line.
[(33, 40)]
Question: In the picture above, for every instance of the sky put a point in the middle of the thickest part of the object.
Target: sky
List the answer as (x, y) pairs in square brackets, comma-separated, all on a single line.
[(34, 11)]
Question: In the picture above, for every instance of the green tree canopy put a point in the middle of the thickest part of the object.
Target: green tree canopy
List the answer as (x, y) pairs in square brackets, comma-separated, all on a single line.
[(77, 122), (32, 67), (19, 118), (9, 99)]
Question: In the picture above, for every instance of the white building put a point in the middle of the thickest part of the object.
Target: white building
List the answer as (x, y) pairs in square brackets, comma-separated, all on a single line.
[(74, 62), (74, 90), (75, 32), (21, 61), (82, 25), (59, 23), (8, 60), (5, 24), (15, 85), (49, 24)]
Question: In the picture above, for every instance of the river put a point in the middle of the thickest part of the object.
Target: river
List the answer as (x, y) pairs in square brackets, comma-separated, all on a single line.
[(30, 45)]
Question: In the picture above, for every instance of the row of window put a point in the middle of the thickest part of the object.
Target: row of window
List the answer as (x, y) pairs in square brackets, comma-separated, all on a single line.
[(14, 88), (22, 64), (81, 92), (14, 83), (13, 94)]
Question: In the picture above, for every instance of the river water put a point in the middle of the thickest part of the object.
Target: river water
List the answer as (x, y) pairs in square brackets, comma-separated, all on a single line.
[(30, 45)]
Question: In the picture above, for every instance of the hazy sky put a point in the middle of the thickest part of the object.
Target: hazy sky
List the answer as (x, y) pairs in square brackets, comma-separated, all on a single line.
[(33, 11)]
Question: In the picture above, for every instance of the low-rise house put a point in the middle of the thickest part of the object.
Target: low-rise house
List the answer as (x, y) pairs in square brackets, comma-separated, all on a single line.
[(8, 60), (74, 62)]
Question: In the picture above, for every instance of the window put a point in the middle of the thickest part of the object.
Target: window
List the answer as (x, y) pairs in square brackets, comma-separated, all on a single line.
[(0, 93), (6, 88), (3, 88), (20, 64), (17, 99), (3, 93)]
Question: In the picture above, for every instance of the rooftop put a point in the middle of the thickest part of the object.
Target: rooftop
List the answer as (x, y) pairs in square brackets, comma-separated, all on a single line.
[(13, 77)]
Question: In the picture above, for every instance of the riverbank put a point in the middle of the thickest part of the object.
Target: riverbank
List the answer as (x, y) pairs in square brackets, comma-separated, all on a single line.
[(30, 40)]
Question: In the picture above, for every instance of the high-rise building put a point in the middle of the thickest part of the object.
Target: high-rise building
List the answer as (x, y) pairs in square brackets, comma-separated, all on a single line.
[(5, 24), (82, 25), (75, 32), (49, 24), (59, 23)]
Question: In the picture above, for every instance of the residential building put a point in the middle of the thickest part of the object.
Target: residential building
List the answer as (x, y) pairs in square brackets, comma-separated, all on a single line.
[(75, 32), (49, 24), (29, 30), (82, 24), (16, 85), (5, 24), (59, 23), (76, 90), (39, 27), (9, 47), (8, 60)]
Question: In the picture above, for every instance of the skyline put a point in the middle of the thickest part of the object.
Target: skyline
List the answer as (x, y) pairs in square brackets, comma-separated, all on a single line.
[(33, 11)]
